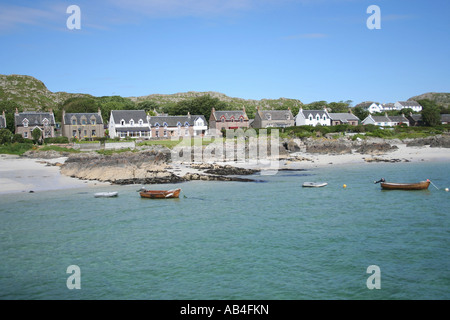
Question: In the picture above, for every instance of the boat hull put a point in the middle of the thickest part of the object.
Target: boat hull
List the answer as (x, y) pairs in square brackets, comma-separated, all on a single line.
[(314, 184), (405, 186), (160, 194), (106, 195)]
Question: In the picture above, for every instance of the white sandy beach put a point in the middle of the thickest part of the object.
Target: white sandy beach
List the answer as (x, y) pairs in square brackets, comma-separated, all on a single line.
[(18, 174)]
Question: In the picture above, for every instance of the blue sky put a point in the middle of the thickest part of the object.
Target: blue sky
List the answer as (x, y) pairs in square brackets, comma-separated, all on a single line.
[(253, 49)]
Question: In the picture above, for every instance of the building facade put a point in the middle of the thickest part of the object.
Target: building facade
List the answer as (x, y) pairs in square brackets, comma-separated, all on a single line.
[(273, 119), (343, 118), (129, 123), (3, 120), (232, 119), (26, 122), (177, 126), (82, 125), (313, 118)]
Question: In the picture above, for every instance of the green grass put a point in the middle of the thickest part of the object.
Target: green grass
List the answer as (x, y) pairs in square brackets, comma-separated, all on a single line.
[(15, 148), (58, 149), (171, 144)]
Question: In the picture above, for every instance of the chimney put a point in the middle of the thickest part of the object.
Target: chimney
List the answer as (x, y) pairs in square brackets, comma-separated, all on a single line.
[(17, 111), (189, 115), (99, 111), (243, 109), (3, 113)]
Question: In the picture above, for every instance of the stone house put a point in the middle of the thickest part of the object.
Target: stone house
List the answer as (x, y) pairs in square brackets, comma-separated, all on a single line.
[(231, 119), (344, 118), (26, 122), (273, 119), (82, 125)]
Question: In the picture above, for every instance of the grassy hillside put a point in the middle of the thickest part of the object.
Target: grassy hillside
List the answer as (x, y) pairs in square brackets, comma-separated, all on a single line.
[(441, 99), (30, 93)]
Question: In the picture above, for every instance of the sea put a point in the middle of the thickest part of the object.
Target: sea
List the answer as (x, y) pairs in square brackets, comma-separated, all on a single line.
[(264, 240)]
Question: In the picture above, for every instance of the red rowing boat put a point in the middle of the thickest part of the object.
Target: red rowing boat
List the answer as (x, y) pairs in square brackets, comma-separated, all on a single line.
[(160, 194)]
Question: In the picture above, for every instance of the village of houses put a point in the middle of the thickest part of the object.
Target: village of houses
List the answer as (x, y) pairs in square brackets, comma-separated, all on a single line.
[(138, 124)]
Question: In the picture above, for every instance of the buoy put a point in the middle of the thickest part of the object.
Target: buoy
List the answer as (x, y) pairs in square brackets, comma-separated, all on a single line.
[(345, 186), (446, 189)]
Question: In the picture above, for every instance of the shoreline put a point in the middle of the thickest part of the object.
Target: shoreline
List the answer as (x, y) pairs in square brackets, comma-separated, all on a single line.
[(21, 174)]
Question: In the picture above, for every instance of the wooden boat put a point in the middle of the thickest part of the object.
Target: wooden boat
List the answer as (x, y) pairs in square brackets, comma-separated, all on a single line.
[(106, 194), (423, 185), (160, 194), (314, 184)]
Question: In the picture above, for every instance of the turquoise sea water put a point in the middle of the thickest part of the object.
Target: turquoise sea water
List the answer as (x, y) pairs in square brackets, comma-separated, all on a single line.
[(232, 240)]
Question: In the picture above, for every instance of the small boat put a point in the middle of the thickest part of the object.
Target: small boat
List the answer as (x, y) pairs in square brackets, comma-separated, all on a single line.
[(314, 184), (423, 185), (160, 194), (106, 194)]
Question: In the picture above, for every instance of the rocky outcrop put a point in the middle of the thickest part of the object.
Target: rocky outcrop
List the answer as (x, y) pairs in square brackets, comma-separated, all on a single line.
[(375, 148), (225, 170), (321, 146), (439, 141)]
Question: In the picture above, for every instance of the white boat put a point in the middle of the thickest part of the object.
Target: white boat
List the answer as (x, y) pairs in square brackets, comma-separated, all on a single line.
[(314, 184), (106, 194)]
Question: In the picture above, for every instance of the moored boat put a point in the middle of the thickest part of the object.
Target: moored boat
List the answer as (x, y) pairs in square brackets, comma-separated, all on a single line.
[(423, 185), (314, 184), (160, 194), (106, 195)]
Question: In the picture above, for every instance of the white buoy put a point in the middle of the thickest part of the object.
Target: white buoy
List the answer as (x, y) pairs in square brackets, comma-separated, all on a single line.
[(446, 189)]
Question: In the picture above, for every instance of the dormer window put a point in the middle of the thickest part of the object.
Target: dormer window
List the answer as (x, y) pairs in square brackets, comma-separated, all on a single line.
[(317, 118), (324, 117), (288, 117), (141, 122), (25, 123), (83, 121), (74, 121), (131, 122), (45, 122), (268, 116), (93, 122), (310, 117), (222, 119), (122, 122)]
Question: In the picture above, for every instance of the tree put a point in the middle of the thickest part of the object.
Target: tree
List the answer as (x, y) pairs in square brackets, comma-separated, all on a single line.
[(5, 136), (198, 106), (10, 109), (36, 134), (431, 113), (360, 113)]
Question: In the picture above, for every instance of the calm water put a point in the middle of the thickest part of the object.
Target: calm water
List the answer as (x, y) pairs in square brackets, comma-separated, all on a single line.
[(227, 240)]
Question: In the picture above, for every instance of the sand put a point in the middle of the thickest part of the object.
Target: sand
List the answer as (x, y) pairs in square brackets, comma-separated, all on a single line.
[(19, 174)]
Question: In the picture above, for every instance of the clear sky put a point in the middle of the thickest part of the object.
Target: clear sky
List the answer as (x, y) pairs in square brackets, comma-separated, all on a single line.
[(253, 49)]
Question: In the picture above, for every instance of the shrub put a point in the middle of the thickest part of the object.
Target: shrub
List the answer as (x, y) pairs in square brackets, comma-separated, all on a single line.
[(58, 140)]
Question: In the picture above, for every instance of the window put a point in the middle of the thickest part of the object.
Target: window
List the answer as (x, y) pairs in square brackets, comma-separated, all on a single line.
[(25, 123), (288, 117), (186, 130), (74, 133), (317, 118), (93, 121), (45, 122), (132, 122), (83, 121), (324, 117), (241, 119), (268, 116), (122, 122), (74, 121), (25, 135), (94, 133), (157, 132), (141, 122), (222, 119), (310, 117), (85, 133)]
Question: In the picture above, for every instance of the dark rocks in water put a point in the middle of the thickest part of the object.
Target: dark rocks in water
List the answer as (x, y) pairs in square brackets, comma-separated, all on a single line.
[(328, 147), (228, 170), (207, 177)]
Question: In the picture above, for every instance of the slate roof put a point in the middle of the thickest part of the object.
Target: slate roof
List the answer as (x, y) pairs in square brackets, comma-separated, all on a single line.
[(276, 114), (401, 118), (314, 113), (172, 121), (381, 119), (343, 117), (236, 114), (68, 118), (34, 118), (409, 104), (128, 115)]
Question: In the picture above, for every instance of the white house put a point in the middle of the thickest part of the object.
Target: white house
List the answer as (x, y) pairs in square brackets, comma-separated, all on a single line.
[(383, 121), (414, 105), (177, 126), (374, 108), (129, 123), (313, 118)]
